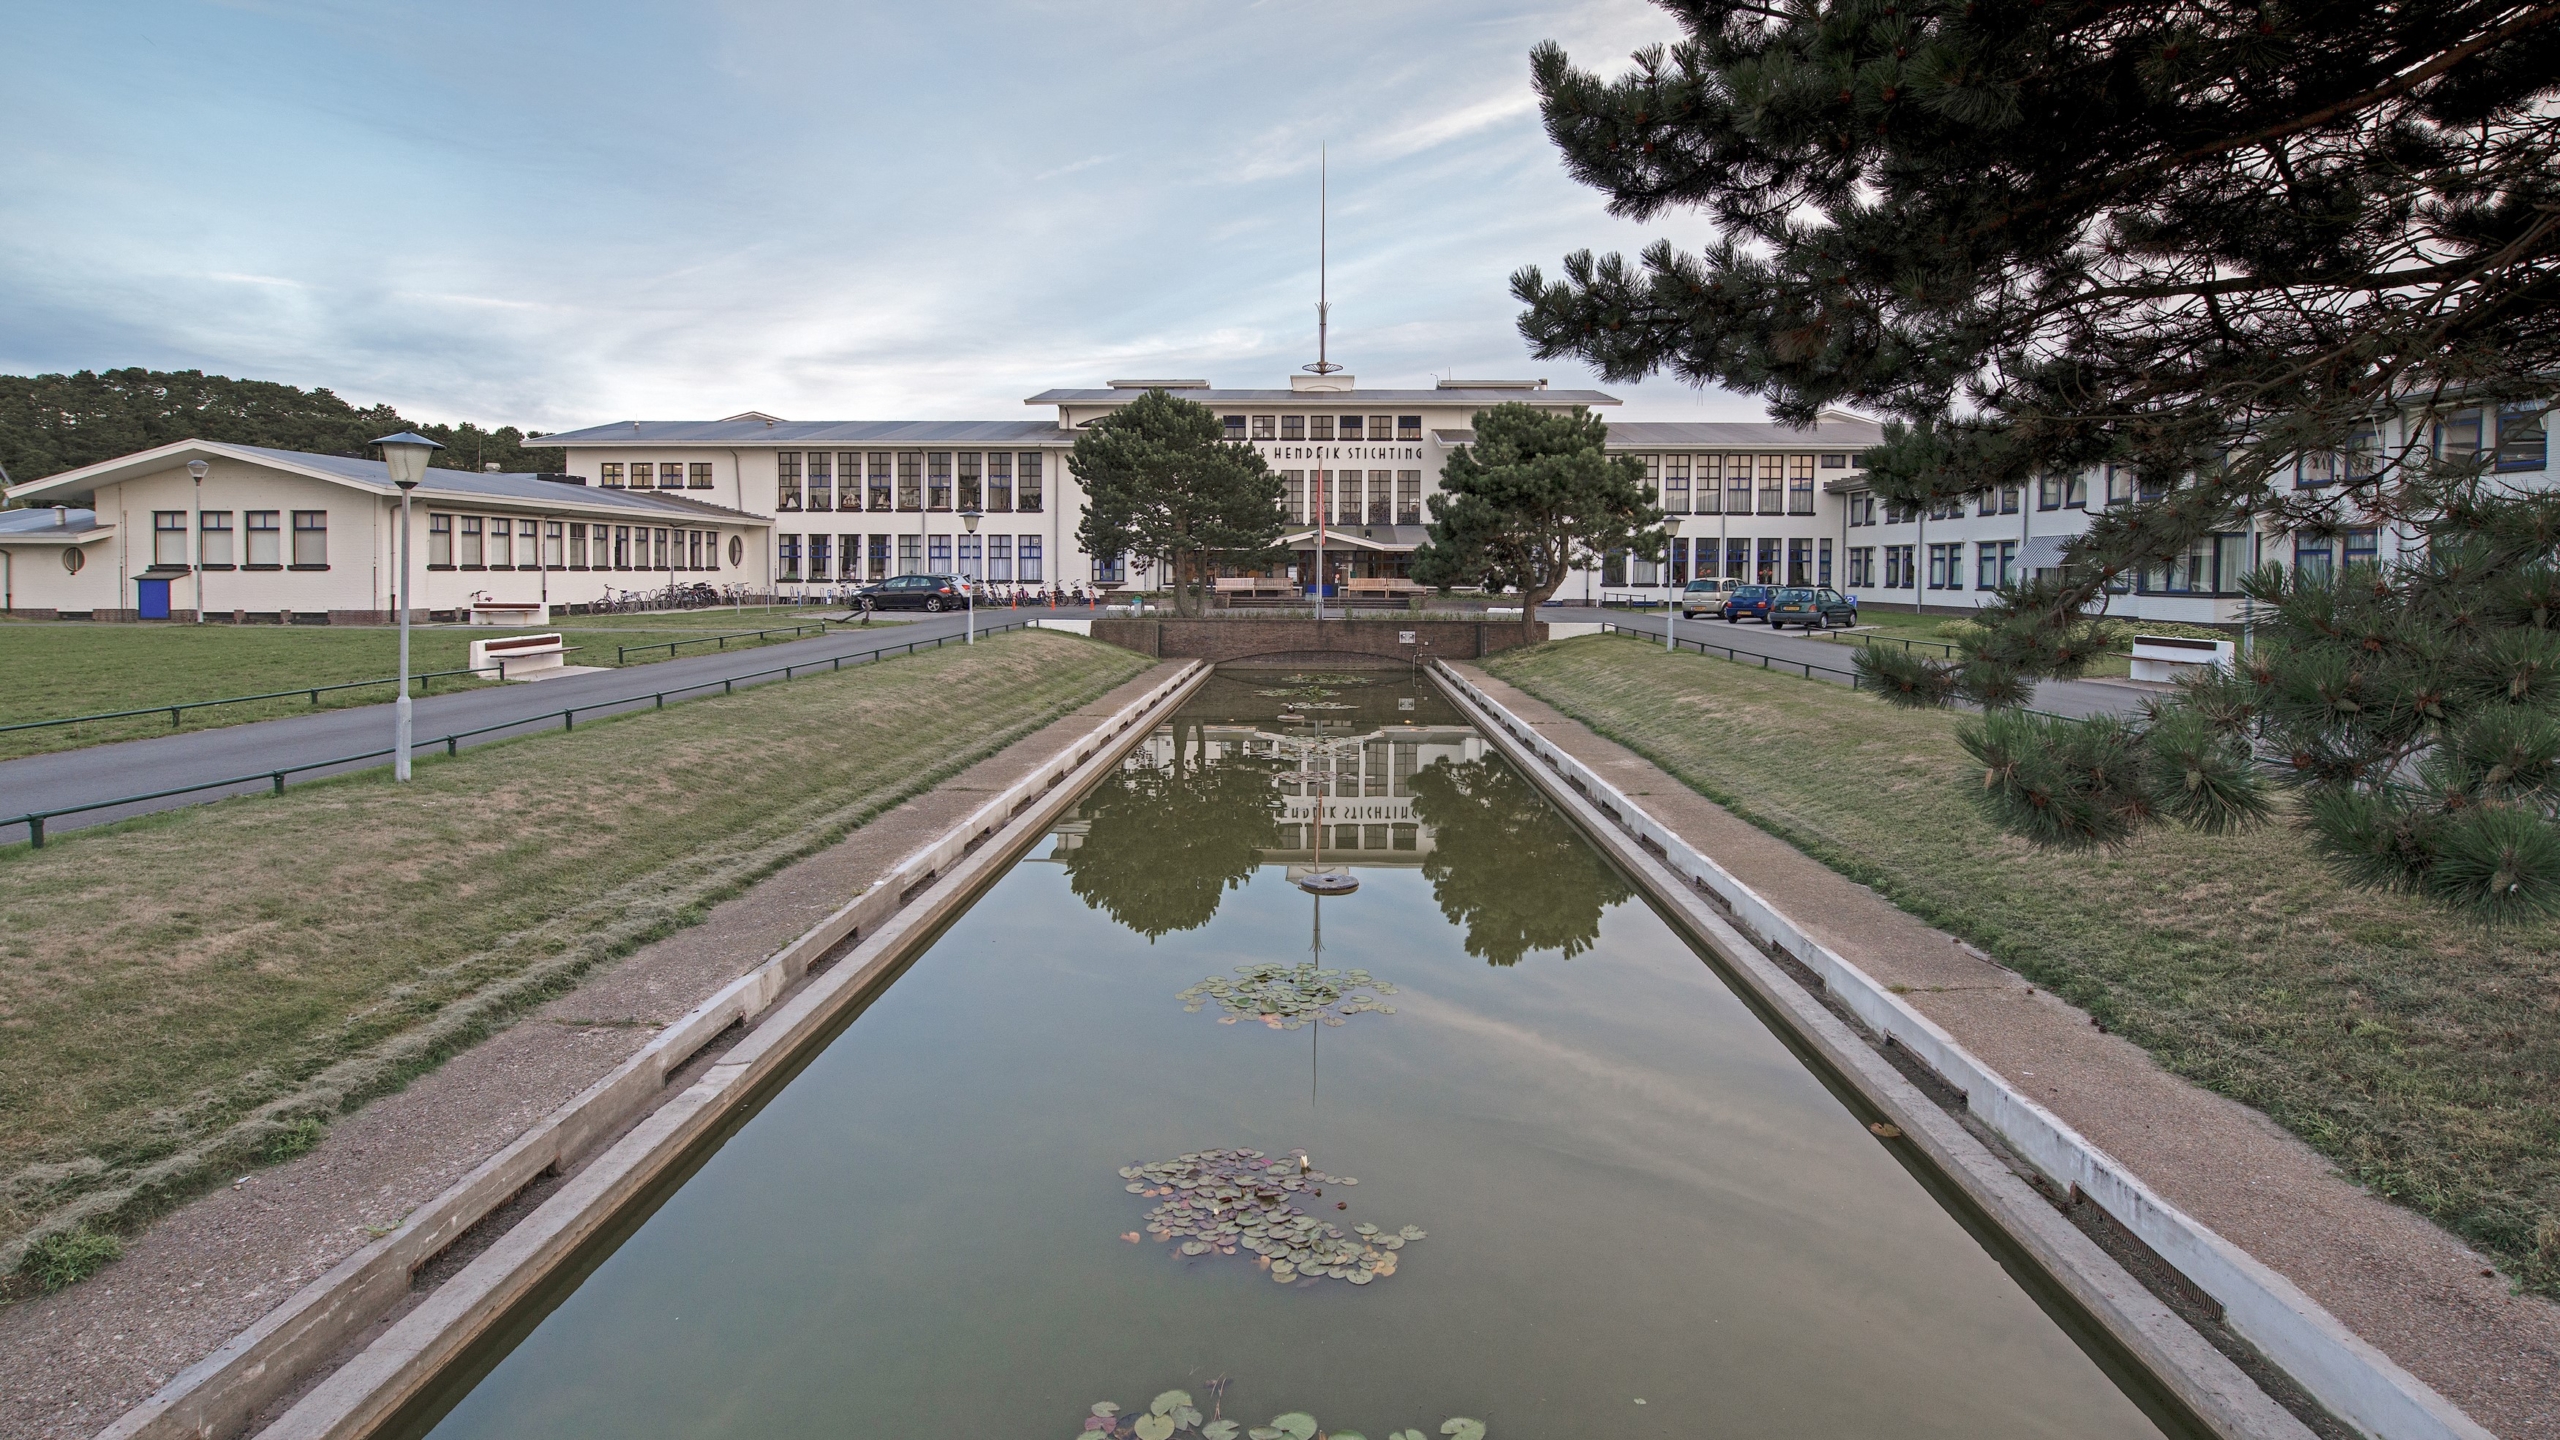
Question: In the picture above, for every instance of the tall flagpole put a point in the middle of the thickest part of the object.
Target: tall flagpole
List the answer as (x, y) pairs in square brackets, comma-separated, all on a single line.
[(1323, 365)]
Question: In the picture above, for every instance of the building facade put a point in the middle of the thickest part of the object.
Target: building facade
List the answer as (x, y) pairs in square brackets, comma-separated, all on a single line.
[(245, 532), (852, 502)]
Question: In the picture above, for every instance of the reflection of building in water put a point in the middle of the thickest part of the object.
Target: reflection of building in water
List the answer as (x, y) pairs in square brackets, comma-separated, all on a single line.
[(1362, 781)]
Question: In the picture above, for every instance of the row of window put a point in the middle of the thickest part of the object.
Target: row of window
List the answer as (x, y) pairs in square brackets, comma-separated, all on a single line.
[(653, 475), (496, 542), (1763, 561), (1006, 559), (264, 529), (1725, 484), (995, 481), (1364, 428), (1338, 497), (2212, 566)]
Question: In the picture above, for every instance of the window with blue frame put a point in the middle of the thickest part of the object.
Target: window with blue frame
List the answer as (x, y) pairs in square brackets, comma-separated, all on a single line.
[(2364, 545), (2523, 442), (1113, 571), (2314, 559)]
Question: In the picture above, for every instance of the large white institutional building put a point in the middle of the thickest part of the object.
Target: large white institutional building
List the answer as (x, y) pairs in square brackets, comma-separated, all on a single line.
[(812, 507)]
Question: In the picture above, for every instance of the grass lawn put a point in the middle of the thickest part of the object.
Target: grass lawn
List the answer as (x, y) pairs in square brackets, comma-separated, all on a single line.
[(198, 991), (55, 669), (2419, 1052)]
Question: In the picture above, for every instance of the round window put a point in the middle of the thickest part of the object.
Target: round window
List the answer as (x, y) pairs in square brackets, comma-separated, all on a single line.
[(737, 551), (73, 557)]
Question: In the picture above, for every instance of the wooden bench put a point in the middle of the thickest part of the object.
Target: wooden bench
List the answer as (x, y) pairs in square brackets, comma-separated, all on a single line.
[(491, 612), (520, 657), (2169, 657), (1385, 585), (1255, 586)]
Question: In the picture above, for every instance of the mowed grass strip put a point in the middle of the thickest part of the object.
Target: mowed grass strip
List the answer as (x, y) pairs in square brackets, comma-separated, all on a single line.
[(203, 989), (2418, 1051), (58, 670)]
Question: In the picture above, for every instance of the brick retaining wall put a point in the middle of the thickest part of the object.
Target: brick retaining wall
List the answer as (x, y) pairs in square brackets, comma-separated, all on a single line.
[(1219, 640)]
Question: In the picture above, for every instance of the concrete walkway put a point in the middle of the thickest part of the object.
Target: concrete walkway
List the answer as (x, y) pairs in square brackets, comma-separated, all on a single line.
[(198, 757), (2411, 1289), (71, 1363)]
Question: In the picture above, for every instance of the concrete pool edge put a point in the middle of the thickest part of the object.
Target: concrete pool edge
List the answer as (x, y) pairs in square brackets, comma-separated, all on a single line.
[(612, 1131), (2344, 1373)]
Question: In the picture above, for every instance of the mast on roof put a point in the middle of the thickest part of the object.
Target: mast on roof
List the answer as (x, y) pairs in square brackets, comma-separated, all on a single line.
[(1324, 308)]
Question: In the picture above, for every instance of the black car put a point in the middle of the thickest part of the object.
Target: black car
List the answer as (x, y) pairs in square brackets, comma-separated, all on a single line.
[(918, 592)]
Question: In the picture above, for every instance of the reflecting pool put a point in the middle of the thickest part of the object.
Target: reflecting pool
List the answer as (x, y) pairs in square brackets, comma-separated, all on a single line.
[(1640, 1213)]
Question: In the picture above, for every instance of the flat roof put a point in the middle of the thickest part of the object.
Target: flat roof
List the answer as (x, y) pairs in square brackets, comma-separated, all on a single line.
[(789, 433), (1336, 399)]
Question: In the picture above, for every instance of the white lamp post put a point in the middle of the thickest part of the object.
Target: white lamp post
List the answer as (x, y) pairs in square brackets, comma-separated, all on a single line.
[(405, 456), (196, 468), (969, 602)]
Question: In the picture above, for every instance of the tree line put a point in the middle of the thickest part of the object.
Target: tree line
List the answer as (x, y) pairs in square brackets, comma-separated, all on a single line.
[(53, 423)]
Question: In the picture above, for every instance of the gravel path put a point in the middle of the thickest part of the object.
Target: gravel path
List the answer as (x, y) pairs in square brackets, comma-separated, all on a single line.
[(71, 1363), (2414, 1291)]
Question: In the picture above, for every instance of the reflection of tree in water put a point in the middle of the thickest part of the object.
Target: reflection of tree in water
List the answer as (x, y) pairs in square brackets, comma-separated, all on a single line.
[(1163, 844), (1506, 866)]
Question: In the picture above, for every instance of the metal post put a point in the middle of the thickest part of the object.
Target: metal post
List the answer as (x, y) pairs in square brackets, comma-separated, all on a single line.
[(400, 718)]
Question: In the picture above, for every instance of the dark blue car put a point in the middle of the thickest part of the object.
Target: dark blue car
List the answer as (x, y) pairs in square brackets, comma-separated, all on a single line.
[(1748, 602)]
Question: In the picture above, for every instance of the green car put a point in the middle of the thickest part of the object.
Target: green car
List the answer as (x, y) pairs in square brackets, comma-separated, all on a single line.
[(1814, 609)]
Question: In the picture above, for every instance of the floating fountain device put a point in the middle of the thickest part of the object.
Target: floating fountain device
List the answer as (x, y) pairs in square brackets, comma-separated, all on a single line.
[(1333, 882)]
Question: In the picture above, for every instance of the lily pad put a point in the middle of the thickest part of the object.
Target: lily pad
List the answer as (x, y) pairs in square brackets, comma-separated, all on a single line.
[(1288, 997), (1155, 1427), (1226, 1201), (1463, 1429), (1106, 1409), (1297, 1425), (1220, 1430)]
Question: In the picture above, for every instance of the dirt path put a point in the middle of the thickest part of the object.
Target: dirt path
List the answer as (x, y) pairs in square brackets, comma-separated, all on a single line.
[(2423, 1297), (71, 1363)]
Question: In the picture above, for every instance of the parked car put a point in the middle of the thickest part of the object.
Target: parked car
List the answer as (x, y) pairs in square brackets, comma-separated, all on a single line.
[(917, 592), (1747, 602), (1704, 597), (1815, 608)]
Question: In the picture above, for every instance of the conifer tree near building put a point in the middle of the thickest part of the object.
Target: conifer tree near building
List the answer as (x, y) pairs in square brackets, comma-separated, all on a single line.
[(2205, 244)]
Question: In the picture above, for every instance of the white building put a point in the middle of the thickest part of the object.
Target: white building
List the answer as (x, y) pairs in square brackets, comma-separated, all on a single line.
[(864, 500), (244, 532)]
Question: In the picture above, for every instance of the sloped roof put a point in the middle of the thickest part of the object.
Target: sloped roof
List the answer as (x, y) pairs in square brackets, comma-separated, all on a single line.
[(514, 486)]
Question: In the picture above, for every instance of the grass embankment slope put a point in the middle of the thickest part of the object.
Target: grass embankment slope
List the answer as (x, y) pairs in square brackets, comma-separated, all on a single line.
[(2418, 1051), (198, 991), (58, 669)]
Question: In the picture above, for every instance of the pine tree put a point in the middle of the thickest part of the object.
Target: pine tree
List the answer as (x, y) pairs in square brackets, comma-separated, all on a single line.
[(2206, 244), (1533, 495), (1161, 480)]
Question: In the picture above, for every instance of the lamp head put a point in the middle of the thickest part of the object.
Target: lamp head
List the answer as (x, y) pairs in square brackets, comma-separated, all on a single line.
[(405, 456), (197, 468), (969, 520)]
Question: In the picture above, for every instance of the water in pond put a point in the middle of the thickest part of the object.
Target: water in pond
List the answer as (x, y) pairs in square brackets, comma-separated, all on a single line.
[(1641, 1214)]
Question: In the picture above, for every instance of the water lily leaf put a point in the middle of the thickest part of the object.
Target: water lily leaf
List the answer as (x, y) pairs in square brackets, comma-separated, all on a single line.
[(1463, 1429), (1263, 1432), (1297, 1425), (1359, 1277), (1365, 1228), (1404, 1435), (1169, 1401), (1155, 1427), (1283, 1270), (1195, 1247), (1219, 1430), (1106, 1409), (1412, 1232), (1187, 1417)]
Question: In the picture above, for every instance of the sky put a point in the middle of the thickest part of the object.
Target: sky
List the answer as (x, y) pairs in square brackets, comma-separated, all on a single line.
[(554, 215)]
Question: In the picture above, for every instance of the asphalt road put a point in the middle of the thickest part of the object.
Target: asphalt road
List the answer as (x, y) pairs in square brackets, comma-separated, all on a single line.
[(1786, 649), (250, 754)]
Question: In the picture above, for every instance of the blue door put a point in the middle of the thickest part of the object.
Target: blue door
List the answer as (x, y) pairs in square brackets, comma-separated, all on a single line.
[(152, 596)]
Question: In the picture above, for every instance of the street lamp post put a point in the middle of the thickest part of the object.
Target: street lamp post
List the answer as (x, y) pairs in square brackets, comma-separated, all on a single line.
[(196, 468), (405, 456), (969, 521)]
